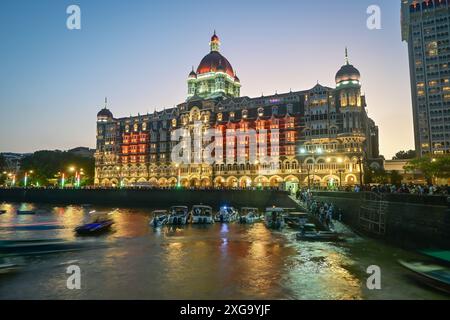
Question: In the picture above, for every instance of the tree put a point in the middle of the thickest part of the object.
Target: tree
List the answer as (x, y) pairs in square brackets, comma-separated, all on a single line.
[(431, 166), (395, 178), (3, 167), (405, 155), (46, 165)]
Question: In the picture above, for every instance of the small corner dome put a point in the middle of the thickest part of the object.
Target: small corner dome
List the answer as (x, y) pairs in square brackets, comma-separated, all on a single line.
[(192, 74), (105, 113)]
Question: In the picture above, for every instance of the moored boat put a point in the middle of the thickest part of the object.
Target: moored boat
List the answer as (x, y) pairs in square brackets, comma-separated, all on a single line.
[(249, 215), (296, 220), (201, 214), (159, 219), (308, 232), (226, 214), (178, 215), (433, 275), (274, 218)]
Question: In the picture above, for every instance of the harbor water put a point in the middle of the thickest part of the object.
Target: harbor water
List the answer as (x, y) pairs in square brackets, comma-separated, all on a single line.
[(220, 261)]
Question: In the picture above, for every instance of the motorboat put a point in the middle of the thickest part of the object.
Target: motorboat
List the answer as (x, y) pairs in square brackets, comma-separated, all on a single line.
[(308, 232), (274, 218), (431, 274), (249, 215), (201, 214), (159, 219), (26, 212), (178, 215), (226, 214), (296, 220), (100, 223)]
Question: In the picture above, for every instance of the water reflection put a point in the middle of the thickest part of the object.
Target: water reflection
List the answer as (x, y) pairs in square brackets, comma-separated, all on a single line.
[(220, 261)]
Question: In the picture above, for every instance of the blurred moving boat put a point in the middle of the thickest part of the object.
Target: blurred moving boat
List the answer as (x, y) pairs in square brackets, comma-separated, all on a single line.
[(226, 214), (160, 218), (249, 215), (101, 223), (31, 226), (309, 232), (178, 215), (2, 211), (38, 246), (274, 218), (201, 214), (433, 275), (6, 268), (25, 212)]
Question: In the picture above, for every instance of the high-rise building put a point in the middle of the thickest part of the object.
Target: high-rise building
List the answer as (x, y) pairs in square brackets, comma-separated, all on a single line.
[(319, 136), (426, 27)]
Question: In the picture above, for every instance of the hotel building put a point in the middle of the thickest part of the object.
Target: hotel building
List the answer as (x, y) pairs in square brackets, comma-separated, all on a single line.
[(426, 27), (323, 134)]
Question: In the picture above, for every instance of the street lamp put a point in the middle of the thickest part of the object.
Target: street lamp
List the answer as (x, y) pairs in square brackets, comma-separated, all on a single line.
[(25, 178), (319, 151), (360, 162)]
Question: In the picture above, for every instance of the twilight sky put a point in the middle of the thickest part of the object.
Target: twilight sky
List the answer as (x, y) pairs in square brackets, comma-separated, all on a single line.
[(138, 53)]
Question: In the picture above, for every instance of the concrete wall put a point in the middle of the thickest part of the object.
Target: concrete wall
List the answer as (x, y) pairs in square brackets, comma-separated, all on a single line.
[(411, 221), (150, 198)]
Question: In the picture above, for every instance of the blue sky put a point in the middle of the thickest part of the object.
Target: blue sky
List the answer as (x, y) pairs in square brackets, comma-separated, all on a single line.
[(138, 53)]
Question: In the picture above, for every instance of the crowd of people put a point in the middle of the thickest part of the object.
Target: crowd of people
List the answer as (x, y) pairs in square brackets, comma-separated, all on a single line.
[(325, 212), (417, 189)]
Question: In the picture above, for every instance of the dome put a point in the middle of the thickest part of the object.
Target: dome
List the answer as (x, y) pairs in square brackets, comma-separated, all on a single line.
[(214, 62), (347, 72), (105, 113)]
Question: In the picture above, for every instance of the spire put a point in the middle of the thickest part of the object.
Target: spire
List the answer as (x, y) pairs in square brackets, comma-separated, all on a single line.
[(106, 102), (346, 56)]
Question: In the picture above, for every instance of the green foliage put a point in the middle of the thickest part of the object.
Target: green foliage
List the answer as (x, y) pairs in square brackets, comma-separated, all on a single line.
[(2, 163), (46, 165), (405, 155), (375, 175), (395, 178), (431, 166)]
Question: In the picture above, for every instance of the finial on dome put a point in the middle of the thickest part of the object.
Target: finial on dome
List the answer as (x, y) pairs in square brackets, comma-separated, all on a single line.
[(346, 56), (106, 102)]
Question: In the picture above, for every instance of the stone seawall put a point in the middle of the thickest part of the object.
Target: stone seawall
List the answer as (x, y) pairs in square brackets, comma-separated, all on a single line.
[(407, 220), (151, 198)]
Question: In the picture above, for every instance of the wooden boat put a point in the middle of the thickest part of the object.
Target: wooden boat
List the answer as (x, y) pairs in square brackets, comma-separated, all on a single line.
[(226, 214), (249, 215), (178, 215), (160, 218), (26, 212), (308, 232), (274, 218), (201, 214), (433, 275)]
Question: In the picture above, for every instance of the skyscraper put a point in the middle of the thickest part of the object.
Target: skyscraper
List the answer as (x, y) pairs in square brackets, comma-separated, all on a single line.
[(425, 26)]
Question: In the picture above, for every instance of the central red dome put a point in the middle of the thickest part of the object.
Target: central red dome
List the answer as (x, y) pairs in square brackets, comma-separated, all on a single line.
[(211, 63)]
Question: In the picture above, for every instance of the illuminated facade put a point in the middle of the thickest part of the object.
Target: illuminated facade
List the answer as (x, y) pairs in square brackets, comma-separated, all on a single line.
[(321, 135), (426, 29)]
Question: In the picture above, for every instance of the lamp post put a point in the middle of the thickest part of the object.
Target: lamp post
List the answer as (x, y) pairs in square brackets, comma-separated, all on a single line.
[(360, 162), (319, 151)]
